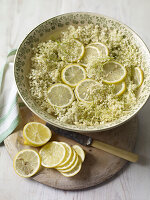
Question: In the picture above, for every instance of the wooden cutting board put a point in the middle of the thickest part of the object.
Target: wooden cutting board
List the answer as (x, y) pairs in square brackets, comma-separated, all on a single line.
[(98, 165)]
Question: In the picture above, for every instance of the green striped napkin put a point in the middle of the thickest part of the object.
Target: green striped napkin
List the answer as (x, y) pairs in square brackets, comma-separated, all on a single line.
[(9, 111)]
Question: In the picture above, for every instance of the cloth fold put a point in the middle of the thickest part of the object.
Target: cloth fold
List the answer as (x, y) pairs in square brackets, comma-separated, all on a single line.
[(9, 110)]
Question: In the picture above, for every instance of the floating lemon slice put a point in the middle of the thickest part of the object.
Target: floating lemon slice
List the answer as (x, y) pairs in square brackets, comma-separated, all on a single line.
[(91, 53), (138, 76), (68, 154), (26, 163), (74, 171), (71, 51), (113, 72), (102, 48), (52, 154), (36, 134), (79, 151), (84, 89), (120, 88), (73, 74), (60, 95), (69, 163)]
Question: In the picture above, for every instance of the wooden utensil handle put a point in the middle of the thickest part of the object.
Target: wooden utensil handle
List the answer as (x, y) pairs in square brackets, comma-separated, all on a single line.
[(115, 151)]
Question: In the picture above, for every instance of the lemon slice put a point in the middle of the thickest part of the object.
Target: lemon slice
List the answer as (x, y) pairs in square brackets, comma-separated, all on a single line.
[(73, 74), (71, 51), (72, 166), (102, 48), (60, 95), (120, 88), (84, 89), (52, 154), (138, 76), (91, 53), (79, 151), (82, 64), (68, 154), (74, 171), (69, 163), (26, 163), (36, 134), (113, 72)]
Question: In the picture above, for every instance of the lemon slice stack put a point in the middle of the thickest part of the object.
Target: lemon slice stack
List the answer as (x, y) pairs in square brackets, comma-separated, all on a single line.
[(52, 154), (59, 155)]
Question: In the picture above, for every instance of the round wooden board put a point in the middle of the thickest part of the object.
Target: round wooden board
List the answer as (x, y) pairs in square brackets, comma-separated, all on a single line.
[(98, 166)]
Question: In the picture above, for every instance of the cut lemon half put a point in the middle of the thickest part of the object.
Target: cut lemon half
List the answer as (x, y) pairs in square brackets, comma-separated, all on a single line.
[(73, 74), (84, 89), (113, 72), (26, 163), (60, 95), (69, 163), (138, 76), (71, 51), (79, 151), (102, 48), (72, 166), (74, 171), (120, 88), (91, 53), (36, 134), (68, 154), (52, 154)]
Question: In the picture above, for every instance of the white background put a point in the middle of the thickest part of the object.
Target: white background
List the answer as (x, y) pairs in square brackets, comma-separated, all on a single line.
[(17, 18)]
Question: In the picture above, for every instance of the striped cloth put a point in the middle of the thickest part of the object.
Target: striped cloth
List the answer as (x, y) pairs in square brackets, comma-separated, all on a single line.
[(9, 111)]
